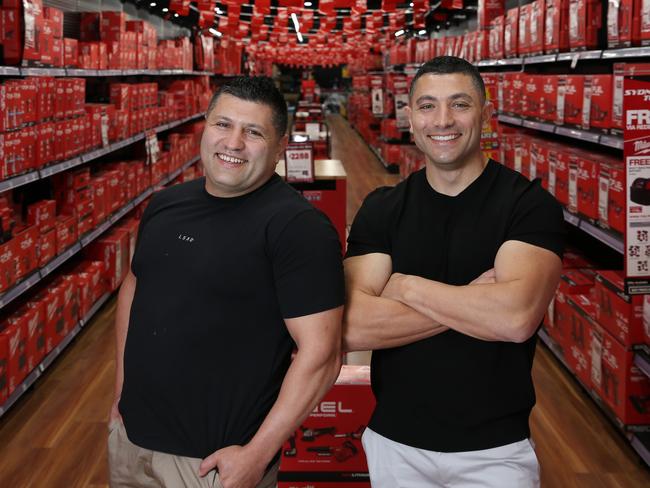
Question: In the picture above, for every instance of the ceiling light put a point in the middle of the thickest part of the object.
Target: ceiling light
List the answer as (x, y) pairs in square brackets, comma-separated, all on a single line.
[(165, 10), (152, 4), (294, 17), (308, 4), (411, 4), (399, 33), (215, 32), (422, 32), (299, 36), (175, 15)]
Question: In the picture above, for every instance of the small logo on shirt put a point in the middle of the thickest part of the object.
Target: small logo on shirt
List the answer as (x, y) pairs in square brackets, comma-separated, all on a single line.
[(185, 238)]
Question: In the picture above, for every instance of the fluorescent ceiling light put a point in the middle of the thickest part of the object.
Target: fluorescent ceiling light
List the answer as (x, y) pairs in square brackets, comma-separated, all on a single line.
[(308, 4), (175, 15), (422, 32), (215, 32), (299, 36), (165, 10), (152, 4), (399, 33)]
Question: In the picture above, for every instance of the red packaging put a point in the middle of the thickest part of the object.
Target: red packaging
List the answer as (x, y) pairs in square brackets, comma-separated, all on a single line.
[(35, 339), (89, 28), (532, 98), (597, 103), (42, 214), (620, 314), (539, 161), (511, 33), (517, 88), (26, 250), (549, 98), (488, 10), (496, 38), (16, 337), (46, 247), (58, 57), (89, 55), (558, 173), (572, 282), (616, 197), (4, 360), (55, 16), (113, 251), (556, 32), (642, 32), (70, 311), (8, 264), (330, 438), (620, 18), (585, 19), (573, 99), (55, 329), (624, 387), (66, 232), (112, 26), (578, 354), (11, 33), (537, 12), (588, 181), (101, 205), (524, 29), (131, 226), (70, 53)]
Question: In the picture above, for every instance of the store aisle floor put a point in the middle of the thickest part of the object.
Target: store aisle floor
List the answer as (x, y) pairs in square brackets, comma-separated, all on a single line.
[(55, 436)]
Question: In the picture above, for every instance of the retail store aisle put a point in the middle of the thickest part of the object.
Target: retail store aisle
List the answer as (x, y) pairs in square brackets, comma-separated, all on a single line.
[(55, 436)]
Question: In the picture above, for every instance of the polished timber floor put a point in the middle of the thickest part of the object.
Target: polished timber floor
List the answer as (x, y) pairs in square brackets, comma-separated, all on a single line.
[(55, 435)]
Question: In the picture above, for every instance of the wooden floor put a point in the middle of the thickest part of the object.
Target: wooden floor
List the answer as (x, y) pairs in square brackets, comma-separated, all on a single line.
[(55, 435)]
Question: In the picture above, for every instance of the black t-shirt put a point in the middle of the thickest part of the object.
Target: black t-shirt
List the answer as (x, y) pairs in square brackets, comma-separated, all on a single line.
[(207, 347), (451, 392)]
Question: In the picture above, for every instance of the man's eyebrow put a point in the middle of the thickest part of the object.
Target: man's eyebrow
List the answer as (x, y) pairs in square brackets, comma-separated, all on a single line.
[(246, 124), (455, 96)]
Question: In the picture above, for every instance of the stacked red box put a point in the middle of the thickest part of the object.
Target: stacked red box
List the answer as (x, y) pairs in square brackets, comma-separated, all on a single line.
[(51, 300), (70, 307), (511, 33), (585, 19), (496, 47), (620, 20), (620, 314), (131, 226), (15, 336), (549, 98), (588, 166), (597, 104), (578, 351), (572, 282), (329, 441), (523, 44), (536, 32), (532, 96), (46, 249), (8, 264), (113, 251), (66, 232), (573, 98), (42, 214), (556, 32), (514, 94), (522, 154), (558, 173), (488, 10), (70, 53), (616, 201), (33, 319), (27, 239)]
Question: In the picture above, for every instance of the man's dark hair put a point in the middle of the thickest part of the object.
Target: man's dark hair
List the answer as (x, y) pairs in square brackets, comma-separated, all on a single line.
[(446, 65), (258, 89)]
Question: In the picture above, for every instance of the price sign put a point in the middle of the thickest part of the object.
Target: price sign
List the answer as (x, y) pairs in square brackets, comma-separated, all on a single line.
[(299, 162), (313, 130), (151, 146)]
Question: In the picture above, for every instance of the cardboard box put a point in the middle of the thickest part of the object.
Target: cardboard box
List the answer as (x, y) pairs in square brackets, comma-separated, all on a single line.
[(532, 99), (4, 361), (66, 232), (42, 214), (597, 103), (524, 29), (55, 16), (511, 33), (618, 313), (572, 282), (53, 304), (329, 439), (539, 161), (616, 197), (496, 47), (577, 354), (585, 19), (70, 53), (573, 99), (27, 240), (8, 264), (537, 13), (620, 18), (33, 319), (46, 249), (588, 181), (558, 173), (16, 337), (556, 32)]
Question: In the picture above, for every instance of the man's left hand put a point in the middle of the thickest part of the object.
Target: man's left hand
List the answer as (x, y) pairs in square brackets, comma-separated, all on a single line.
[(237, 467)]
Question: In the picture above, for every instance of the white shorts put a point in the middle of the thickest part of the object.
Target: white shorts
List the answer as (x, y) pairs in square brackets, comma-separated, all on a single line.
[(395, 465)]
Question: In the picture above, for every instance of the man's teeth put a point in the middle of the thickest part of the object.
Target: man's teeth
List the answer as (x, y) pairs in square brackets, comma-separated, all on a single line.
[(445, 138), (230, 159)]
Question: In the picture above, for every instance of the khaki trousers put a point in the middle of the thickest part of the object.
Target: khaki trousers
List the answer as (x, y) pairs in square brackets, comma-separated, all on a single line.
[(131, 466)]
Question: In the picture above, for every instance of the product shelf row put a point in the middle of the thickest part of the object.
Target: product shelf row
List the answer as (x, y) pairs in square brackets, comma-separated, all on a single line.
[(16, 71), (582, 135), (609, 238), (638, 436), (614, 54), (38, 275), (48, 171)]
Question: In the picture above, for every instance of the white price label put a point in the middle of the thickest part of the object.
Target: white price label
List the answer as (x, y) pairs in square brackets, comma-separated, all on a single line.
[(596, 359), (401, 113), (377, 95), (561, 91), (299, 161), (104, 129), (313, 130), (586, 108)]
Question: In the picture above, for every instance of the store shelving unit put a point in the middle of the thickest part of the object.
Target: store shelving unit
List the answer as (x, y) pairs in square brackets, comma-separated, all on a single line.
[(63, 72), (41, 273), (573, 57)]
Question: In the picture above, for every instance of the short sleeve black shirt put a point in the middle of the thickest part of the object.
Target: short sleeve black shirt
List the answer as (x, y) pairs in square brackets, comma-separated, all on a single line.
[(207, 347), (452, 392)]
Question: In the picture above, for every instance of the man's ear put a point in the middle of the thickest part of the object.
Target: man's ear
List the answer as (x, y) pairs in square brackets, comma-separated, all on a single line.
[(487, 112), (409, 113), (282, 146)]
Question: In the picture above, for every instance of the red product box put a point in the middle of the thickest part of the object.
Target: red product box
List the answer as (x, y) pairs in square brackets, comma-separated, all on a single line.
[(572, 282), (44, 145), (112, 26), (114, 191), (101, 205), (70, 311), (89, 55), (70, 52), (532, 99), (536, 34), (58, 55), (55, 16), (11, 33), (77, 179), (45, 42), (66, 232), (29, 100), (517, 88), (42, 214), (511, 33), (616, 197), (578, 353), (89, 28), (624, 387), (83, 282), (522, 154), (33, 321), (524, 29), (8, 264), (55, 327), (27, 240), (573, 99), (488, 10), (588, 181), (46, 247), (641, 30), (16, 337), (556, 32), (539, 161), (113, 251), (131, 226), (585, 19), (597, 103), (558, 173), (620, 19), (4, 360), (620, 314), (330, 438), (549, 98), (496, 38)]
